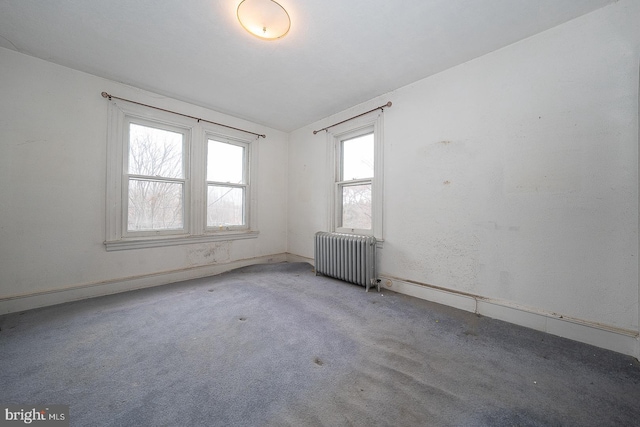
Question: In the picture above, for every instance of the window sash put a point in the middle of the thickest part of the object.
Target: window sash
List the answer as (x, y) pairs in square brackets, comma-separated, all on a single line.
[(350, 139), (243, 223), (340, 183), (152, 156), (228, 212), (128, 178), (356, 225), (243, 163), (163, 210)]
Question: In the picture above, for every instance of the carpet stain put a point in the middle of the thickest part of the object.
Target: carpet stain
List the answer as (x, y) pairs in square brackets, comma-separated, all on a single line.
[(242, 319), (318, 361)]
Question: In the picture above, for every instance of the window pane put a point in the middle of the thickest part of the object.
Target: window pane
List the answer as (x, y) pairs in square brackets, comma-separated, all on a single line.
[(357, 157), (225, 206), (155, 152), (356, 206), (155, 205), (225, 162)]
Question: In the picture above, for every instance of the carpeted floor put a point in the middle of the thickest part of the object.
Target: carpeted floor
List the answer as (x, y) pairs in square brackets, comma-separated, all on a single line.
[(274, 345)]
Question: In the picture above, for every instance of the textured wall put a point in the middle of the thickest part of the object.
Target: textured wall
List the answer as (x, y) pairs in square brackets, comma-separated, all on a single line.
[(513, 176)]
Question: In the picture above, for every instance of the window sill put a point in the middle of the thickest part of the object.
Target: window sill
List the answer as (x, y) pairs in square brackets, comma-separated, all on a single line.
[(156, 242)]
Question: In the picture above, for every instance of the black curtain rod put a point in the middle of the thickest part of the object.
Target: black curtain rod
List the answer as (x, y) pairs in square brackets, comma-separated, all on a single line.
[(382, 107), (106, 95)]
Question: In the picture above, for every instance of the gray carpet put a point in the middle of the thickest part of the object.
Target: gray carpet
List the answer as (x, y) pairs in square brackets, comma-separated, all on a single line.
[(274, 345)]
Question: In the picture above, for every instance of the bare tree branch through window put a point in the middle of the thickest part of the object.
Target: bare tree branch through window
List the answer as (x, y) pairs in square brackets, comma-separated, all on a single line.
[(156, 179)]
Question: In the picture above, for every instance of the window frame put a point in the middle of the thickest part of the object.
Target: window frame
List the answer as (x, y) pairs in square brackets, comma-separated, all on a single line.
[(336, 135), (341, 183), (185, 180), (245, 185), (194, 217)]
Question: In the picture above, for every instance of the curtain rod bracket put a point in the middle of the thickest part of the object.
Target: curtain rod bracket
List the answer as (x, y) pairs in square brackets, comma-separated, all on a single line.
[(107, 95), (382, 107)]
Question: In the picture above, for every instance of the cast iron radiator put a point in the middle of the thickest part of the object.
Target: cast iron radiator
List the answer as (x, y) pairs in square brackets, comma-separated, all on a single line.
[(347, 257)]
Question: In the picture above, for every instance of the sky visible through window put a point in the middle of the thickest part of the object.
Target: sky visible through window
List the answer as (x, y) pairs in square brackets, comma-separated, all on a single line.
[(224, 162), (357, 157)]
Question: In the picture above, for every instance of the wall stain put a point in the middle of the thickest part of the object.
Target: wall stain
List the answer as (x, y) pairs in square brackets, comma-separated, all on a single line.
[(211, 253)]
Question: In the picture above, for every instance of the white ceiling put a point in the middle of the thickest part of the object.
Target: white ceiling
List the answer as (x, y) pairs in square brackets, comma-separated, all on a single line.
[(338, 53)]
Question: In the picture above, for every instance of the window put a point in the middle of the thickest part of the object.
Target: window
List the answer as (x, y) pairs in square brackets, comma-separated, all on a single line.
[(226, 184), (355, 180), (173, 181), (155, 178), (356, 195)]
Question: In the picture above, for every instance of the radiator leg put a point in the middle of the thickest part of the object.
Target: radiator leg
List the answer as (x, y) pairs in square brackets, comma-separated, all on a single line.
[(374, 282)]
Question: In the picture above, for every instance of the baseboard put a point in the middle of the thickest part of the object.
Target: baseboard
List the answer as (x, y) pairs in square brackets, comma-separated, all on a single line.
[(625, 341), (299, 258), (29, 301)]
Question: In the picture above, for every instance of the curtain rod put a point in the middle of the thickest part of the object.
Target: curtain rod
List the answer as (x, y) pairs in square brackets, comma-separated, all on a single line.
[(106, 95), (382, 107)]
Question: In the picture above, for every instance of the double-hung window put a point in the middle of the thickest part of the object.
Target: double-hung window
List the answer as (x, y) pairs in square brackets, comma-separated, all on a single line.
[(175, 181), (156, 178), (354, 184), (227, 183), (356, 194)]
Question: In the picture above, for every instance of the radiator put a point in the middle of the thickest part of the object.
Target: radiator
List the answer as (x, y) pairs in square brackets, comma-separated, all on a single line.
[(347, 257)]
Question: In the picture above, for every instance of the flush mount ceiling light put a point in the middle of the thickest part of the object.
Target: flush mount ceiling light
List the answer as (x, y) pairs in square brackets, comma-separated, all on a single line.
[(264, 18)]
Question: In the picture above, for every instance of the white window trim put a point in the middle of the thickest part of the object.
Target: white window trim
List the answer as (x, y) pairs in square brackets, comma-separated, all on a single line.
[(195, 231), (335, 135)]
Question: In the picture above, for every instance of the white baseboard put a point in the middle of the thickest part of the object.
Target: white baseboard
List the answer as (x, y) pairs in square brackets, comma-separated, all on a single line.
[(621, 340), (624, 341), (29, 301), (299, 258)]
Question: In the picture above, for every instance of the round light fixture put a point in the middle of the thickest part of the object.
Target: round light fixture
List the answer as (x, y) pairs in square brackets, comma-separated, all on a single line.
[(264, 18)]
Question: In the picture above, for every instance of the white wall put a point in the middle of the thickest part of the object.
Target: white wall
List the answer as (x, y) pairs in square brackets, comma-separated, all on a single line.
[(514, 178), (53, 131)]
